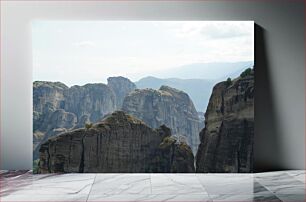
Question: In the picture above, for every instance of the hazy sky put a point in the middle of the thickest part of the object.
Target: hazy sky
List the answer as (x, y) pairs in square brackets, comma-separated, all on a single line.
[(79, 52)]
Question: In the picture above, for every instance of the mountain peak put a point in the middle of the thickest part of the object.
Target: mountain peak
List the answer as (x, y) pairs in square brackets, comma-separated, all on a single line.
[(118, 78), (121, 87), (51, 84)]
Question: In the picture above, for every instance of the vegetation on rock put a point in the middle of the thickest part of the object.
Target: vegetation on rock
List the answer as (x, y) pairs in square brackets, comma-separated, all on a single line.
[(228, 81), (246, 72), (88, 125)]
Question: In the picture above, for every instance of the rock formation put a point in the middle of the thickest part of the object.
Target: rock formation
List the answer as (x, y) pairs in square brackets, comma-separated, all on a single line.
[(119, 143), (121, 87), (58, 108), (227, 139), (92, 100), (167, 106), (189, 86), (47, 95)]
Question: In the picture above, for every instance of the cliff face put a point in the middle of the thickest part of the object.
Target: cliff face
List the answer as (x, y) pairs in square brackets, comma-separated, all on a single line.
[(120, 143), (58, 108), (47, 95), (91, 100), (167, 106), (47, 98), (121, 87), (227, 139)]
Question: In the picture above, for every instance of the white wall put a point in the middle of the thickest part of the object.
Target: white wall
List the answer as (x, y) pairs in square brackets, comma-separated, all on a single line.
[(280, 62)]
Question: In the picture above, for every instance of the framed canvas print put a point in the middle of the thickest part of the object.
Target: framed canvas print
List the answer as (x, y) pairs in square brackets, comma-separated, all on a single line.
[(143, 96)]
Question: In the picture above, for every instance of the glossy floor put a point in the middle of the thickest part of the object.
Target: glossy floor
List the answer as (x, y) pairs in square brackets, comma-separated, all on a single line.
[(271, 186)]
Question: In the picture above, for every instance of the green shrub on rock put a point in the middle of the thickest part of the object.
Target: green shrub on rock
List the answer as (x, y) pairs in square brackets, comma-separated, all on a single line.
[(246, 72), (88, 126), (228, 81)]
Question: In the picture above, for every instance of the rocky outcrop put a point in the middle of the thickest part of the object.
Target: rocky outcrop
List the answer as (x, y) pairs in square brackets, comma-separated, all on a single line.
[(47, 95), (89, 103), (58, 108), (53, 123), (92, 100), (121, 87), (120, 143), (227, 139), (167, 106)]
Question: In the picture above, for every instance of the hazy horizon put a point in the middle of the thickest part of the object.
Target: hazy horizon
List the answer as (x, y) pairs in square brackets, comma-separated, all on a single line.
[(80, 52)]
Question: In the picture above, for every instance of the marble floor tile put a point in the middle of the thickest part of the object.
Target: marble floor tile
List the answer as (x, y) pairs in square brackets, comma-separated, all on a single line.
[(287, 189), (44, 198), (150, 198), (230, 197), (273, 173), (14, 181), (116, 184), (245, 198), (260, 192), (298, 175), (291, 197), (266, 198), (50, 184), (176, 184), (286, 186), (259, 189), (218, 184), (295, 171), (13, 173), (282, 183)]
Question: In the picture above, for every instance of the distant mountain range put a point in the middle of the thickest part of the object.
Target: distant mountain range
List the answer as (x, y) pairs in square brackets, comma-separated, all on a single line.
[(216, 71), (199, 90)]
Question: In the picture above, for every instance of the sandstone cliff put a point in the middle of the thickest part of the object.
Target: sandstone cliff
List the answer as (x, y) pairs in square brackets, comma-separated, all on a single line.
[(120, 143), (227, 139), (167, 106)]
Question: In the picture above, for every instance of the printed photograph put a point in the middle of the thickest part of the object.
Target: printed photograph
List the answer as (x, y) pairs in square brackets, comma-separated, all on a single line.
[(143, 96)]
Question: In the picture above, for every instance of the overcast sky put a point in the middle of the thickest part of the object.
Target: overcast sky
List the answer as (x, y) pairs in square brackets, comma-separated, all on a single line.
[(79, 52)]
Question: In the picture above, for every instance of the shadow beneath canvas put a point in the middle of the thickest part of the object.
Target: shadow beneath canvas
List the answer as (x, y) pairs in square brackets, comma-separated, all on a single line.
[(266, 140)]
